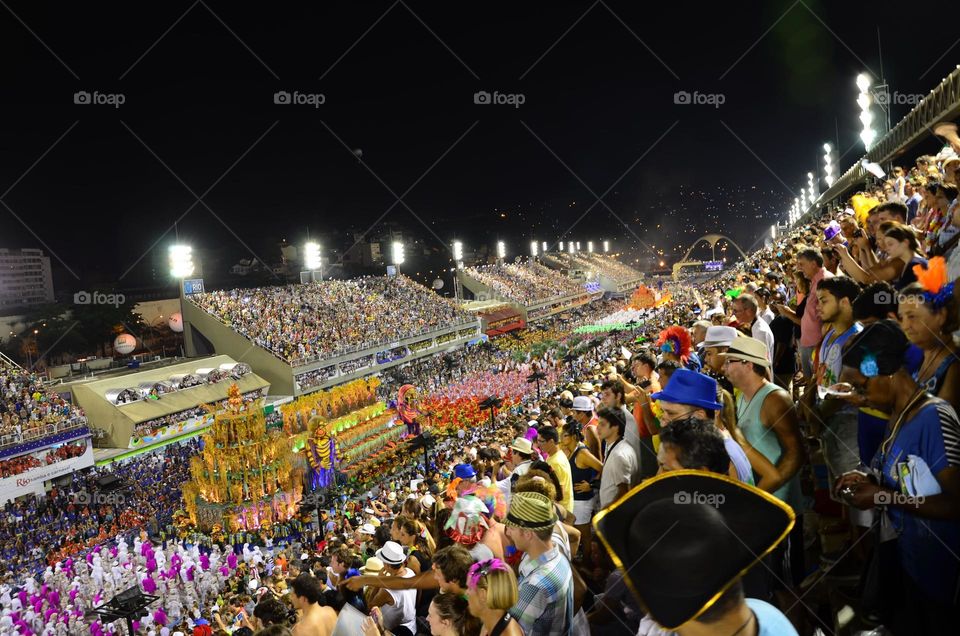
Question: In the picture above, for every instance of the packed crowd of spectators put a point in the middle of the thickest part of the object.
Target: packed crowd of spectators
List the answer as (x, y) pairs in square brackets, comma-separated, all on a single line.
[(150, 427), (830, 352), (143, 429), (301, 323), (46, 457), (525, 283), (28, 410), (79, 515), (316, 377), (602, 264)]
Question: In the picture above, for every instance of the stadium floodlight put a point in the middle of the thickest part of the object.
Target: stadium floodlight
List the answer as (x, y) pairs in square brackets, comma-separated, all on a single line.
[(181, 261), (544, 244), (534, 247), (811, 188), (828, 167), (773, 231), (311, 256), (561, 246), (590, 247), (606, 247), (397, 252), (864, 100), (501, 250), (572, 247), (458, 251)]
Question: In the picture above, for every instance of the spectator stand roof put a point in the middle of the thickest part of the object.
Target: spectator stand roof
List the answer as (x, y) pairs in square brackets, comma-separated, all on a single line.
[(119, 421)]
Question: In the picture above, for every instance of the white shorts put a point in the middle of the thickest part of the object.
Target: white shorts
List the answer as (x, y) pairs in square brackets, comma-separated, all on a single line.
[(583, 510)]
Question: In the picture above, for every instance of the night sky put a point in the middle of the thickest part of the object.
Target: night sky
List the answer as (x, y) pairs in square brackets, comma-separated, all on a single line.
[(100, 187)]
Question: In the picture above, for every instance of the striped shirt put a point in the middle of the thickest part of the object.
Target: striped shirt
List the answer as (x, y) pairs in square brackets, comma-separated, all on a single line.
[(545, 600)]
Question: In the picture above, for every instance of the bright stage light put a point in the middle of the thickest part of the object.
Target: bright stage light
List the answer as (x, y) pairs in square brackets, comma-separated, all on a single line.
[(311, 256), (181, 261)]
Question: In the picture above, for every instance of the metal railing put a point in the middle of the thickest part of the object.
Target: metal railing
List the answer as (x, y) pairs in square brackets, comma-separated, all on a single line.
[(367, 349), (7, 361), (46, 430)]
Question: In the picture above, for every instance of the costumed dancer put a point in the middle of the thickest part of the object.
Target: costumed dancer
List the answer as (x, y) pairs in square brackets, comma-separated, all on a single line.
[(407, 409)]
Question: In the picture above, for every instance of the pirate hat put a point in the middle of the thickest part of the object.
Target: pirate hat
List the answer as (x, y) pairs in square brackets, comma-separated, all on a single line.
[(684, 537)]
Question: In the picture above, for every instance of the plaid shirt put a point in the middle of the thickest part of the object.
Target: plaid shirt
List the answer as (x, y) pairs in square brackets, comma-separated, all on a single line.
[(545, 601)]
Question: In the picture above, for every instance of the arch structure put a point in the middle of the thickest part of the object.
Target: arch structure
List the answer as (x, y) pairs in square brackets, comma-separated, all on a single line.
[(712, 240)]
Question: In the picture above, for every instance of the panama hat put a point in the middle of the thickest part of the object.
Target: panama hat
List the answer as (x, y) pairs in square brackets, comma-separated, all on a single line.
[(372, 566), (719, 336), (522, 445), (582, 403), (391, 553), (749, 350)]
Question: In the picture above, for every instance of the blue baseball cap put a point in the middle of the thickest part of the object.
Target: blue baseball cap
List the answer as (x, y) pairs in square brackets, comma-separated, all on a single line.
[(691, 388), (464, 471)]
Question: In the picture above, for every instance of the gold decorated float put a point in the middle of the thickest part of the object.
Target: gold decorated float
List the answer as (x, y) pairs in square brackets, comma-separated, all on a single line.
[(244, 479)]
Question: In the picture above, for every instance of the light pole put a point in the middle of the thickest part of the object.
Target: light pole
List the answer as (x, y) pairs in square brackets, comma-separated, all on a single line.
[(501, 251)]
